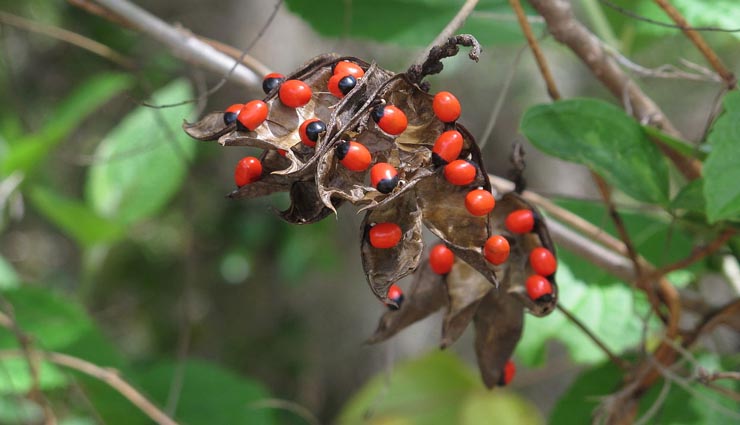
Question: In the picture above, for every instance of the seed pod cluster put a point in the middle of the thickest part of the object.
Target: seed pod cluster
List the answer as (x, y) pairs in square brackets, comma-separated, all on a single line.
[(340, 129)]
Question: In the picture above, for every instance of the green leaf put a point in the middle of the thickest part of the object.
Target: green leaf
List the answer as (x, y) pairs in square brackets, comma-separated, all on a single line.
[(594, 305), (87, 99), (602, 137), (8, 277), (690, 197), (721, 170), (16, 410), (75, 218), (15, 378), (577, 404), (505, 406), (209, 394), (147, 156), (410, 22), (715, 13), (428, 390), (51, 320), (681, 146)]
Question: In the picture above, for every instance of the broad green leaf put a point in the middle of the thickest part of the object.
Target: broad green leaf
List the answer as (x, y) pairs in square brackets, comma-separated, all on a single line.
[(506, 407), (8, 277), (209, 394), (577, 404), (144, 159), (51, 320), (690, 197), (75, 218), (17, 410), (15, 377), (721, 170), (410, 22), (27, 153), (602, 137), (681, 146), (715, 13), (428, 390), (595, 305)]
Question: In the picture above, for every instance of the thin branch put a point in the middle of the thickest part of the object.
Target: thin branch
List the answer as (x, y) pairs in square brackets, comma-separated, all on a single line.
[(501, 98), (666, 71), (634, 15), (705, 377), (619, 362), (182, 43), (552, 89), (68, 37), (696, 255), (699, 42), (451, 28)]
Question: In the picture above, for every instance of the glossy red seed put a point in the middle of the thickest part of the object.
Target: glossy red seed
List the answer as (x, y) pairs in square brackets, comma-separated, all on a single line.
[(520, 221), (384, 177), (232, 112), (542, 261), (333, 85), (460, 172), (496, 249), (385, 235), (395, 294), (354, 156), (508, 373), (448, 145), (310, 130), (248, 170), (479, 202), (348, 68), (271, 81), (391, 119), (446, 106), (537, 287), (441, 259), (282, 152), (295, 93), (253, 114)]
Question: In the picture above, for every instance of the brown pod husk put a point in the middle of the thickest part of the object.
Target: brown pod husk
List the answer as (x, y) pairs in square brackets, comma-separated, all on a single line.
[(385, 266), (465, 290)]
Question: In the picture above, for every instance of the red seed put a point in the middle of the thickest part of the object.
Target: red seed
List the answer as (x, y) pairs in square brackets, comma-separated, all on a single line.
[(310, 130), (333, 85), (543, 262), (448, 145), (441, 259), (479, 202), (537, 287), (353, 156), (253, 114), (395, 294), (385, 235), (384, 177), (231, 113), (460, 172), (390, 119), (446, 106), (348, 68), (520, 221), (496, 249), (508, 372), (295, 93), (248, 170), (271, 81)]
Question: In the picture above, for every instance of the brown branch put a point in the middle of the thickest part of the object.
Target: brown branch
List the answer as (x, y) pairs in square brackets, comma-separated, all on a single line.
[(618, 361), (699, 42), (695, 256), (552, 89), (563, 25), (705, 377), (717, 317), (450, 29)]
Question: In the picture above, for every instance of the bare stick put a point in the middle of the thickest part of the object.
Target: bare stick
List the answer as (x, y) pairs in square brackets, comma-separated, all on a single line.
[(696, 255), (552, 89), (67, 37), (182, 43), (699, 42), (450, 29)]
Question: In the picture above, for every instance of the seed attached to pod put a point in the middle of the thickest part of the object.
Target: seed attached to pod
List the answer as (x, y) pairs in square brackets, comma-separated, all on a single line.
[(538, 288), (507, 375), (520, 221), (479, 202), (395, 294), (271, 81), (496, 250), (460, 172), (384, 177), (354, 156), (441, 259), (446, 106), (248, 170), (390, 119), (543, 262), (447, 147), (348, 68), (385, 235), (252, 115), (310, 130), (295, 93), (231, 113)]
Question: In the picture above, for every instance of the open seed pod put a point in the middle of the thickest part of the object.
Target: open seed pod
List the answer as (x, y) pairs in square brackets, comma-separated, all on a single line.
[(376, 141)]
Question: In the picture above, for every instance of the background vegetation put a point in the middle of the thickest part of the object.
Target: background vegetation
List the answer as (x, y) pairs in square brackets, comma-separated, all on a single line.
[(118, 248)]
